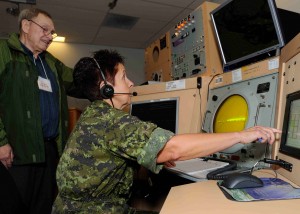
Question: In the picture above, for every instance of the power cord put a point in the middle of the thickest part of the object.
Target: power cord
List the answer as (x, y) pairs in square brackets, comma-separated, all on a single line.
[(262, 161), (281, 163), (286, 165), (215, 175)]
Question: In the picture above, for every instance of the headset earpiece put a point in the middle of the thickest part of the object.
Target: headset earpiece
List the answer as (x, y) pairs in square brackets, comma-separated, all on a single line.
[(106, 91)]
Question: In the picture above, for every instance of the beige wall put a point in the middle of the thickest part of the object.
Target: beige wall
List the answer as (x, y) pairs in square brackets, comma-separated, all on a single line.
[(70, 53)]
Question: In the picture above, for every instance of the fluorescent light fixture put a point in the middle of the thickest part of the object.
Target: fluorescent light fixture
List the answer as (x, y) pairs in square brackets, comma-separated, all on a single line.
[(24, 1), (59, 39)]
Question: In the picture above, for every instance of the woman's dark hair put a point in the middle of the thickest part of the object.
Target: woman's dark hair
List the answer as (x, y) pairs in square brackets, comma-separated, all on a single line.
[(87, 76), (108, 60)]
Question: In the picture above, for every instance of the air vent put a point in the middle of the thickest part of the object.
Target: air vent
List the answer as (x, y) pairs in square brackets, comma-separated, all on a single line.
[(120, 21)]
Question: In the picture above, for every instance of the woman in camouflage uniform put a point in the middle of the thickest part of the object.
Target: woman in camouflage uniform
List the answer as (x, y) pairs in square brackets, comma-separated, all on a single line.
[(95, 172)]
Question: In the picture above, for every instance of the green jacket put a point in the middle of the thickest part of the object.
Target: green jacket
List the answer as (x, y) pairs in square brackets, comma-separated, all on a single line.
[(20, 116)]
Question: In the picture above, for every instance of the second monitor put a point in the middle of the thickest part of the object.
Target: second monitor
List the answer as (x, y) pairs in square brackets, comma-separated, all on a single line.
[(162, 112)]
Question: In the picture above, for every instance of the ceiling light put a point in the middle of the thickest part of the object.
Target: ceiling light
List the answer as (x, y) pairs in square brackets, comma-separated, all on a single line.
[(59, 39), (22, 1)]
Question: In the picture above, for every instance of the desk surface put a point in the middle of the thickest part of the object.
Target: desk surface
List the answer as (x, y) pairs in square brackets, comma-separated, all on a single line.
[(206, 197)]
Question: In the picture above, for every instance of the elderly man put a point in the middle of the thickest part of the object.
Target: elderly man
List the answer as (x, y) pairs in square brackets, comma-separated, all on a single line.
[(33, 109)]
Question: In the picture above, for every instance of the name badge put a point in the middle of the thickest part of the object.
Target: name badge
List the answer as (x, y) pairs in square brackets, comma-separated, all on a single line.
[(44, 84)]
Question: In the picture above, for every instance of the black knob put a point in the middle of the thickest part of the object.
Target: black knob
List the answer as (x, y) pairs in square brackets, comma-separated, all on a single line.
[(214, 97)]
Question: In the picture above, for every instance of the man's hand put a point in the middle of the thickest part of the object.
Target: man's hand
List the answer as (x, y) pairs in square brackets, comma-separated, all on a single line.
[(6, 155)]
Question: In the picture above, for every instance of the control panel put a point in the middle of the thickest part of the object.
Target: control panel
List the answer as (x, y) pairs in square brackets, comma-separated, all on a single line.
[(187, 43), (193, 47)]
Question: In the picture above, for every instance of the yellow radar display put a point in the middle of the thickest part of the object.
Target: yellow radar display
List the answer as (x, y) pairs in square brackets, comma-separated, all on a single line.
[(232, 115)]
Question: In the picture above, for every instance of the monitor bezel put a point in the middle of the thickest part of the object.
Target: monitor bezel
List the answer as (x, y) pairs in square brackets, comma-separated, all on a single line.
[(176, 99), (284, 148), (259, 54)]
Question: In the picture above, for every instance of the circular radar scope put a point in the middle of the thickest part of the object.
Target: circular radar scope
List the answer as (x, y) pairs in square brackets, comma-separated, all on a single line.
[(232, 115)]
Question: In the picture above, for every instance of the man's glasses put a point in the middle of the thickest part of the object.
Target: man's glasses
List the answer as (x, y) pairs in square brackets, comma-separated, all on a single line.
[(46, 31)]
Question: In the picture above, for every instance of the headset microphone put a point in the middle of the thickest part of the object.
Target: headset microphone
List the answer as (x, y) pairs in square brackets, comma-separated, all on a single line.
[(107, 91), (133, 93)]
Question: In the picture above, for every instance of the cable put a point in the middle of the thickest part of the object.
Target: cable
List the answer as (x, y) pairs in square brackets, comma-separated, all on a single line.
[(267, 146), (214, 175), (210, 83), (200, 108), (286, 165), (282, 163), (252, 168), (269, 168)]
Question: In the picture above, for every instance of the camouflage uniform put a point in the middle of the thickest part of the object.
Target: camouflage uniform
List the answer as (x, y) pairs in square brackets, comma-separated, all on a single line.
[(95, 172)]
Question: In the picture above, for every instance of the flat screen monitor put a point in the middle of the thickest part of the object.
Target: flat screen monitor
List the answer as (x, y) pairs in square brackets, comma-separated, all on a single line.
[(290, 139), (247, 31), (162, 112)]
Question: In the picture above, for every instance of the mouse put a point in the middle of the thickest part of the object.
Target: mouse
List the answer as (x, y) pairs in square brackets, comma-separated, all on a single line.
[(241, 180)]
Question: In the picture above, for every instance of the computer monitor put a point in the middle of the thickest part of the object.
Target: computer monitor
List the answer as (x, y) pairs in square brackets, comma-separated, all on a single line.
[(247, 31), (287, 145), (290, 138), (162, 112)]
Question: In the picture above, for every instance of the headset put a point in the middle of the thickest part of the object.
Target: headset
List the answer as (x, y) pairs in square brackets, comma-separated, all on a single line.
[(107, 91)]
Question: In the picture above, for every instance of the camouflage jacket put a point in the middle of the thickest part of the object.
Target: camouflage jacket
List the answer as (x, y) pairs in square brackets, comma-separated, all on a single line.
[(95, 172)]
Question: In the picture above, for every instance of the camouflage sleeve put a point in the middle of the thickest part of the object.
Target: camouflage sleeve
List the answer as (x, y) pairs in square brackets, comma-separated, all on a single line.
[(157, 141), (137, 140)]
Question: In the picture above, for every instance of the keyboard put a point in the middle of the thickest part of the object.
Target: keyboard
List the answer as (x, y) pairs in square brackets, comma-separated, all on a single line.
[(197, 167)]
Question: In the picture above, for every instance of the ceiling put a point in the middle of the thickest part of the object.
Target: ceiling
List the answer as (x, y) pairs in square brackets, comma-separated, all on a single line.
[(86, 21)]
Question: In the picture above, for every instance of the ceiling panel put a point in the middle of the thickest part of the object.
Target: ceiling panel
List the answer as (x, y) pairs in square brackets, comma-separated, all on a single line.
[(81, 20)]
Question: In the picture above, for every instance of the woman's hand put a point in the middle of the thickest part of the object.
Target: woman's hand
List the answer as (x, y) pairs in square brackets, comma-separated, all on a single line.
[(259, 133)]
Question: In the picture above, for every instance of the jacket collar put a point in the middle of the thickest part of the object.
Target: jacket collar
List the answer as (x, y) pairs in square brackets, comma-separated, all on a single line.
[(15, 43), (29, 52)]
